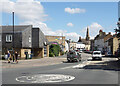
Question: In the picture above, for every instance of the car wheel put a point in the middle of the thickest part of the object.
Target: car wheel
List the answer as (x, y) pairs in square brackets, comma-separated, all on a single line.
[(68, 60), (77, 60), (93, 58)]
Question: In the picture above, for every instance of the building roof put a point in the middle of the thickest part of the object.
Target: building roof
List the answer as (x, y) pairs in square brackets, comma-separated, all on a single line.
[(17, 28), (101, 35), (111, 38)]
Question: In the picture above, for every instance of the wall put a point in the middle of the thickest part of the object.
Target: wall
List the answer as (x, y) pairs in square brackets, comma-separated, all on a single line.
[(25, 37), (42, 39), (35, 38), (99, 44), (73, 45), (23, 53), (87, 47), (59, 39), (66, 47), (80, 45), (38, 52), (17, 40), (115, 45)]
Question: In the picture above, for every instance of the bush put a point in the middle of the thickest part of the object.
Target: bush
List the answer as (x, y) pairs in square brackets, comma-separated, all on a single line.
[(54, 50), (62, 53), (51, 55)]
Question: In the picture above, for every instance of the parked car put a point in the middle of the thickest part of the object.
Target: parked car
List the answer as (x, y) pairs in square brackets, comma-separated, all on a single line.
[(73, 56), (80, 51), (97, 55), (117, 53), (108, 54)]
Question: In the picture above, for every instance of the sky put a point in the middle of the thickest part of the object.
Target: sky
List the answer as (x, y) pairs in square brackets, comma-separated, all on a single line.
[(70, 19)]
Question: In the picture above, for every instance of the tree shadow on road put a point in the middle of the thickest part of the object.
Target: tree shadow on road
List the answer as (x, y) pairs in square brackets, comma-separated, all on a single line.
[(107, 65)]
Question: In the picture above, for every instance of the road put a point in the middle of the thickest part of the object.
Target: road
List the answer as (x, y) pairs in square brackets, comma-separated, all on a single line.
[(84, 72)]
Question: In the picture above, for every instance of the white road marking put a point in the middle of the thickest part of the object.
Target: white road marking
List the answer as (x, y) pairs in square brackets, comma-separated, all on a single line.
[(45, 78), (81, 65)]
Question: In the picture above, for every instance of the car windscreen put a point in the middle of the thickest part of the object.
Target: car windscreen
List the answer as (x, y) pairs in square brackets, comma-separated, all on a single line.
[(72, 53), (96, 53)]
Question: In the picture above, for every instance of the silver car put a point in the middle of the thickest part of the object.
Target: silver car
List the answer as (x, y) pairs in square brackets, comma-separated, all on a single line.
[(73, 56)]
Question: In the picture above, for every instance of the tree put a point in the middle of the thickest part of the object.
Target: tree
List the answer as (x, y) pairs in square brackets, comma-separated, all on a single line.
[(54, 50)]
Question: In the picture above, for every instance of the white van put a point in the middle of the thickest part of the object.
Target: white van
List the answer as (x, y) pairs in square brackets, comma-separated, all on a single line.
[(97, 55)]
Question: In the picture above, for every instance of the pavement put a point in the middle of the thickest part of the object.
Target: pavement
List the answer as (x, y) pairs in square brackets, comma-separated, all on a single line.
[(32, 62), (107, 63)]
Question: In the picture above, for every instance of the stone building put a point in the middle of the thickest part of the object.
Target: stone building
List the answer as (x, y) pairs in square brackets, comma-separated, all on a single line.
[(25, 39), (72, 45), (106, 48), (113, 44), (59, 39), (99, 41)]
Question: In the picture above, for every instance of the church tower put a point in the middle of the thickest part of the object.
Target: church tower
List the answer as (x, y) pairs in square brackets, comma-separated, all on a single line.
[(87, 35)]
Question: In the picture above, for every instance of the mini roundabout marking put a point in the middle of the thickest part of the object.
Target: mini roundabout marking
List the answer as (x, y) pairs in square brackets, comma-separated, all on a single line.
[(45, 78)]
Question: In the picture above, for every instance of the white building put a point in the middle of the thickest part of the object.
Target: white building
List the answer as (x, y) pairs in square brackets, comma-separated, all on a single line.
[(99, 41), (72, 45), (80, 46), (99, 44), (66, 47)]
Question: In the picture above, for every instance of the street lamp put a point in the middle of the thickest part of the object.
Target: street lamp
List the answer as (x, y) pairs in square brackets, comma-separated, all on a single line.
[(13, 36)]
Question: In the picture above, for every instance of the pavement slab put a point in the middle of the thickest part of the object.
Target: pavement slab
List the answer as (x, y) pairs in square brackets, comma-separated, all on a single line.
[(32, 62)]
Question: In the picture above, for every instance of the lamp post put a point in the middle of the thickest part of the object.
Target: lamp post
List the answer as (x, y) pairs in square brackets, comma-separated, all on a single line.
[(13, 36)]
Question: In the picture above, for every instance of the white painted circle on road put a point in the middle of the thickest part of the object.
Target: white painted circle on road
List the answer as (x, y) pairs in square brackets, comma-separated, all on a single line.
[(45, 78)]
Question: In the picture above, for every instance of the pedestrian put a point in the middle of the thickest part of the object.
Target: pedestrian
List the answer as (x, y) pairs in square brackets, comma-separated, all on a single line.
[(16, 57), (9, 56)]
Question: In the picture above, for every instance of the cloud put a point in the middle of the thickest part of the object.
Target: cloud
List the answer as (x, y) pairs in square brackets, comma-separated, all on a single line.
[(48, 31), (74, 10), (32, 13), (93, 29), (73, 36), (70, 24), (28, 11)]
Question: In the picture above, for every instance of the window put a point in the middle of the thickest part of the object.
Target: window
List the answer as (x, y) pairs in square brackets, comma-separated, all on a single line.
[(29, 39), (8, 38)]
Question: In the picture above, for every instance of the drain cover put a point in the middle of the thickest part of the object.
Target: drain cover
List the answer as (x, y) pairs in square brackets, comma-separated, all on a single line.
[(45, 78)]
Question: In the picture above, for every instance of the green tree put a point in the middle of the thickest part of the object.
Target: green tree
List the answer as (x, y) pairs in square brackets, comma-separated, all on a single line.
[(54, 50)]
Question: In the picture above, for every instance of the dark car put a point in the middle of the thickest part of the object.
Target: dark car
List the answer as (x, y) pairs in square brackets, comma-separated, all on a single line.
[(73, 56)]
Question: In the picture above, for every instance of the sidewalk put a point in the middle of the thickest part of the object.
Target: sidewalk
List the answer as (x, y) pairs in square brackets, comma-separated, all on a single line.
[(110, 64), (32, 62)]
